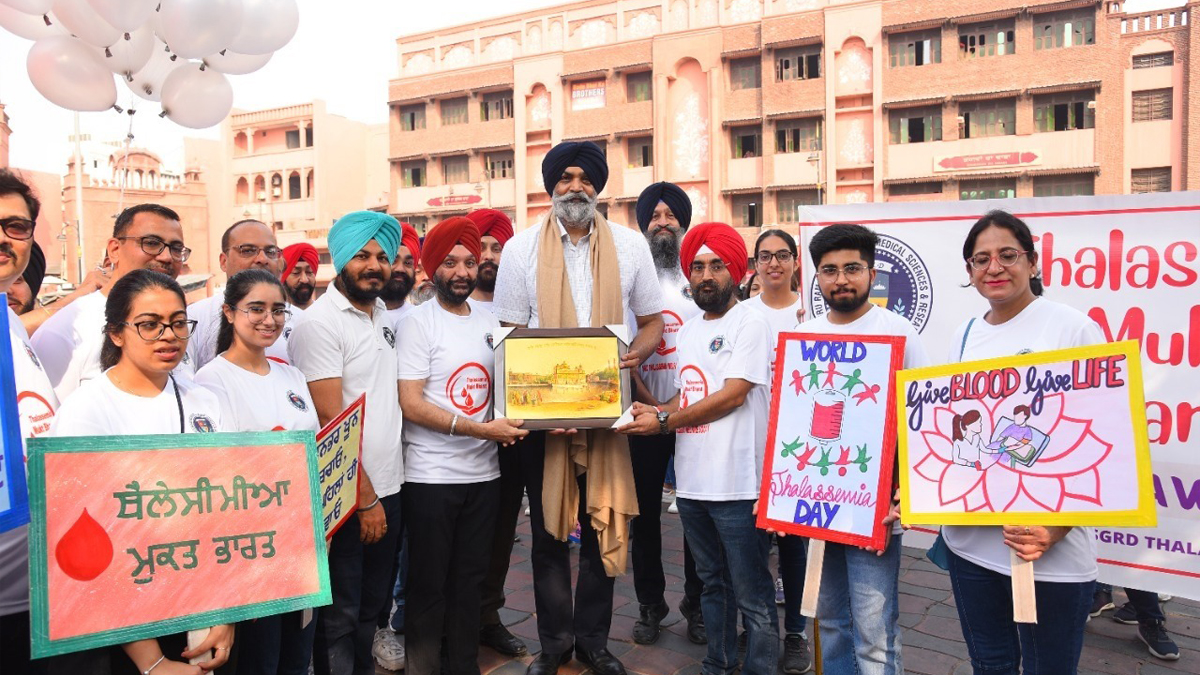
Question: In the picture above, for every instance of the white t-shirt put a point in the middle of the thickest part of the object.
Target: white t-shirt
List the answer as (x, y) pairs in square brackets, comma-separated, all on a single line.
[(277, 401), (722, 460), (202, 347), (780, 321), (658, 371), (399, 314), (1042, 326), (99, 408), (453, 354), (338, 340), (482, 304)]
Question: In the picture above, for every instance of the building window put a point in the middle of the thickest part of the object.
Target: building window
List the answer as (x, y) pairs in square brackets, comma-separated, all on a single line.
[(308, 136), (498, 106), (745, 73), (994, 117), (412, 117), (802, 63), (992, 188), (915, 49), (587, 95), (915, 189), (747, 212), (1156, 60), (294, 186), (915, 125), (1151, 180), (454, 111), (293, 138), (639, 87), (1065, 111), (455, 170), (1064, 29), (641, 152), (1064, 186), (802, 135), (414, 173), (747, 142), (1152, 104), (500, 165), (987, 39), (789, 203)]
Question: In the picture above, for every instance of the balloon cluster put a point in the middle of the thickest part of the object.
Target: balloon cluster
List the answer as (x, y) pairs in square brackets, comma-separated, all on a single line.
[(177, 52)]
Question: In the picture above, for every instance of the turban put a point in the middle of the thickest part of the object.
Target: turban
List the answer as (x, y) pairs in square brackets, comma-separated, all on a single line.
[(720, 239), (444, 237), (586, 155), (297, 252), (492, 223), (354, 230), (35, 271), (410, 240), (669, 194)]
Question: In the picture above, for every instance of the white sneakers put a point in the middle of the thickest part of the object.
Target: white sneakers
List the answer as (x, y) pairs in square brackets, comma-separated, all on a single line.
[(388, 650)]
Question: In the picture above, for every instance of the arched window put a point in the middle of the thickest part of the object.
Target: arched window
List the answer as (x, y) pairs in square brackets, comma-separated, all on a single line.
[(294, 185)]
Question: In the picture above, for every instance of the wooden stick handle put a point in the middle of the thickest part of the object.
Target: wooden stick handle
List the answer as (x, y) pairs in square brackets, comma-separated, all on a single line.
[(1024, 599), (812, 577), (194, 638)]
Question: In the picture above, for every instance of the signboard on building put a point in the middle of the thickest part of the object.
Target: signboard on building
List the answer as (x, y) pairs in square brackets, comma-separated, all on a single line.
[(587, 95), (455, 200), (991, 160)]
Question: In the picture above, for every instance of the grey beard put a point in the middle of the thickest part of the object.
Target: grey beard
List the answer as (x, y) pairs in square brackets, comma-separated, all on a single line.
[(665, 250), (575, 209)]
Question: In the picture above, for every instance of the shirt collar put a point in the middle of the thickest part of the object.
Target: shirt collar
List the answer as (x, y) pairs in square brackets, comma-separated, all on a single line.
[(562, 229), (343, 303)]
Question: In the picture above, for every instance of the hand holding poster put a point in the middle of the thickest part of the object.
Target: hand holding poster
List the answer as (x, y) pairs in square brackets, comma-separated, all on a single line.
[(14, 504), (339, 457)]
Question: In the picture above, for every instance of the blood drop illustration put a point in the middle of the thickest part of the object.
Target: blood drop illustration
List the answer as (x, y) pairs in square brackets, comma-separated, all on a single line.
[(85, 550)]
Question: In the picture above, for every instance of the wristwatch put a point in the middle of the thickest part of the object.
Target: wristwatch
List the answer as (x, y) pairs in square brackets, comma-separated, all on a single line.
[(662, 421)]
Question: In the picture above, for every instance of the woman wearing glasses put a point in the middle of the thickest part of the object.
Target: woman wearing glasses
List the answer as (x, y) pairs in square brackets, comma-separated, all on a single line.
[(145, 331), (259, 394), (1003, 268)]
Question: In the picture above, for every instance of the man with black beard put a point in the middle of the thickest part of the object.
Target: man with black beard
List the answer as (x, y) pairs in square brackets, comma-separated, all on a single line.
[(300, 262), (404, 273), (495, 229)]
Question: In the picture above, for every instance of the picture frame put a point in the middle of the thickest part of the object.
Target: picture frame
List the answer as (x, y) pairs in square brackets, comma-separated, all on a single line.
[(561, 378)]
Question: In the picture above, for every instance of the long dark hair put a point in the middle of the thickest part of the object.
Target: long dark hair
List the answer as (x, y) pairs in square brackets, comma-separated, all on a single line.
[(120, 303), (1020, 231), (238, 287), (961, 422)]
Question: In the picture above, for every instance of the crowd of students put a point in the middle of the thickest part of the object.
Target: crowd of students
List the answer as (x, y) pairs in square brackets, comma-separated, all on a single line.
[(418, 574)]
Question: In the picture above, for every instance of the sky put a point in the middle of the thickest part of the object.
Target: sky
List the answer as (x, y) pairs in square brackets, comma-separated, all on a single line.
[(344, 52)]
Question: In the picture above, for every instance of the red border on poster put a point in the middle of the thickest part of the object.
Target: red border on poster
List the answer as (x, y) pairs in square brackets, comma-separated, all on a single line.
[(360, 404)]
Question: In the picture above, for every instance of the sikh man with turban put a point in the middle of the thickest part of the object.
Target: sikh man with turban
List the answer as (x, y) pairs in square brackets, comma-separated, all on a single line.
[(495, 229), (346, 346), (396, 291), (575, 269), (719, 416), (299, 277), (452, 482)]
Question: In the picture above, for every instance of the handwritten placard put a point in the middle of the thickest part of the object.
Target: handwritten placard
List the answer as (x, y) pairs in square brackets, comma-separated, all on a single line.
[(831, 437), (339, 456), (140, 536), (1051, 438), (14, 499)]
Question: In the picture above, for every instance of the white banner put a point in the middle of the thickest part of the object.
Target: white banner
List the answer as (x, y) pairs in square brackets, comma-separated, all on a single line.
[(1132, 263)]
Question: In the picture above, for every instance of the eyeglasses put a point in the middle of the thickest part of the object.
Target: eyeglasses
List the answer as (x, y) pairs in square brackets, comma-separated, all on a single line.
[(784, 257), (1007, 258), (251, 251), (17, 228), (259, 314), (154, 246), (716, 267), (852, 271), (153, 330)]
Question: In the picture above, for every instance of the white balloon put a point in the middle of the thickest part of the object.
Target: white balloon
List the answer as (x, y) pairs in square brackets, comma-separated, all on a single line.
[(28, 26), (196, 28), (147, 82), (267, 25), (127, 56), (38, 7), (232, 63), (84, 23), (69, 74), (125, 15), (196, 97)]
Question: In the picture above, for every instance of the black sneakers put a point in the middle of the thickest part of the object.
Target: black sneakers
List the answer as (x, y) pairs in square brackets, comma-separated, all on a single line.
[(1158, 641), (795, 654)]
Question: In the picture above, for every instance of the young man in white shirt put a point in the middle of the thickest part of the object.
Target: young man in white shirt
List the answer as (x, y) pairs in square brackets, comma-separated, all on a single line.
[(346, 346), (720, 418), (859, 607), (452, 486)]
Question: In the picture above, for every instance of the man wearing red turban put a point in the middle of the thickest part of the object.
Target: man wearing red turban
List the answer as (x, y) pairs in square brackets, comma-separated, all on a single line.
[(495, 229), (300, 262), (404, 275), (444, 237)]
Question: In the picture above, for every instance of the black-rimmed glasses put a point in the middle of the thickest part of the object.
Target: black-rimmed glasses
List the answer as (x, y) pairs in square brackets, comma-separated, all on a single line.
[(154, 246)]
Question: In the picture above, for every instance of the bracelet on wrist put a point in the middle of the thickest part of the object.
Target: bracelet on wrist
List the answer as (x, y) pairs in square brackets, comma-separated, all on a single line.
[(370, 506), (453, 425), (160, 660)]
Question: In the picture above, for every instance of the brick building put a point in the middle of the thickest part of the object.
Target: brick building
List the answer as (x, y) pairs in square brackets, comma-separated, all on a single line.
[(757, 107)]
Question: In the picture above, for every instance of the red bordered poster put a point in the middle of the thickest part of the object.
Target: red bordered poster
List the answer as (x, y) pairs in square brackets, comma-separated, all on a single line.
[(339, 461)]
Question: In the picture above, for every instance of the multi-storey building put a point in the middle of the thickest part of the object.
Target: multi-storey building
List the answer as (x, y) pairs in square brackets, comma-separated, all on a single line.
[(757, 107)]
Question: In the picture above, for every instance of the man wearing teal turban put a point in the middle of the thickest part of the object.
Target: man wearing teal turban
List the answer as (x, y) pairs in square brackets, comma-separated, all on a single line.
[(352, 231)]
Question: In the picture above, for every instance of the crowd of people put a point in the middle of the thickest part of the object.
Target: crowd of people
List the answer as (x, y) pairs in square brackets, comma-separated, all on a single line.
[(418, 574)]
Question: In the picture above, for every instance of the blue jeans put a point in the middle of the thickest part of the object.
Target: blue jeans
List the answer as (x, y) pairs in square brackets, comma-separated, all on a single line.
[(859, 610), (793, 561), (997, 645), (276, 645), (731, 560)]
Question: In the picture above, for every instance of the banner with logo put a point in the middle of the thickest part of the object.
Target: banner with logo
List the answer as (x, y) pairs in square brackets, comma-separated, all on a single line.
[(339, 457), (1130, 262), (140, 536), (831, 435), (14, 499), (1052, 438)]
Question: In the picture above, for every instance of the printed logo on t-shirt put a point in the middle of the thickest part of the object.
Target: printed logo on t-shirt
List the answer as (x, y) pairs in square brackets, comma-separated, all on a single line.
[(36, 410), (488, 338), (902, 283), (469, 388), (695, 388), (297, 402), (389, 336), (203, 424), (716, 344), (672, 322), (287, 333), (33, 357), (686, 291)]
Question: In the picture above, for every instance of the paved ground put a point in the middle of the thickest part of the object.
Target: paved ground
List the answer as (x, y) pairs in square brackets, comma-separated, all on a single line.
[(933, 643)]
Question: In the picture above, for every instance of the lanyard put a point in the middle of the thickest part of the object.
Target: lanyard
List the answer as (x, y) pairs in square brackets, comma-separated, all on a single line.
[(178, 402)]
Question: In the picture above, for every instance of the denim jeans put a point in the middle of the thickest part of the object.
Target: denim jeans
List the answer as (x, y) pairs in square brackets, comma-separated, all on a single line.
[(731, 559), (280, 644), (859, 610), (1145, 603), (997, 645), (793, 561)]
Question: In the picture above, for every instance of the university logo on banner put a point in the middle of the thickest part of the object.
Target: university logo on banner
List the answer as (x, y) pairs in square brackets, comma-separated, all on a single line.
[(902, 283)]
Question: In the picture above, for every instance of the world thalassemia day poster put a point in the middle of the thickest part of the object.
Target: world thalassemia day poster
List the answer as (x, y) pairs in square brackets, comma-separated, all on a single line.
[(831, 437), (1131, 263)]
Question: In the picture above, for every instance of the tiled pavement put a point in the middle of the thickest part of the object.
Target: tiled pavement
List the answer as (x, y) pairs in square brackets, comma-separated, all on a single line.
[(933, 643)]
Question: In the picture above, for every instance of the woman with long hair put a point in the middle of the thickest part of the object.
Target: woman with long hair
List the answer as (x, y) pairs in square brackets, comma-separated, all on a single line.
[(968, 446)]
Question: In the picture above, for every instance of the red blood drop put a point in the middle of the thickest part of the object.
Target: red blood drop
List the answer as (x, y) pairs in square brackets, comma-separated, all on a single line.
[(85, 550), (467, 397)]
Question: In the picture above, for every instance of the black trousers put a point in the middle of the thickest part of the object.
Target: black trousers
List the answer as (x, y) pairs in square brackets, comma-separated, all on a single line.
[(450, 532), (563, 622), (512, 489), (650, 455)]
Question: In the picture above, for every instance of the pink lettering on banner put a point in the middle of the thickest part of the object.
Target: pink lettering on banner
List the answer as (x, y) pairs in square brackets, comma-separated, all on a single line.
[(782, 486)]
